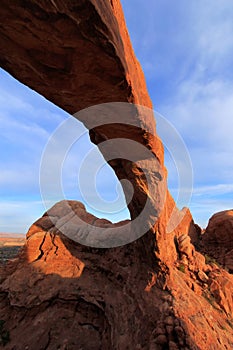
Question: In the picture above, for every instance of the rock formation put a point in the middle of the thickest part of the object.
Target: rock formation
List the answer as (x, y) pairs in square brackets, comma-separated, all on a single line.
[(80, 55), (154, 293), (63, 295), (217, 241), (87, 59)]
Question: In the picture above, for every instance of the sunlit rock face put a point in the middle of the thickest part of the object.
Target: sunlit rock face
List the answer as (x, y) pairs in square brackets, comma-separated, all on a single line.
[(217, 241), (62, 294), (154, 293), (78, 56)]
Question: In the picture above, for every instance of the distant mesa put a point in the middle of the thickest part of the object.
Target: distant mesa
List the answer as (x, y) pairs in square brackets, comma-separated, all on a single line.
[(10, 244), (12, 235), (8, 239)]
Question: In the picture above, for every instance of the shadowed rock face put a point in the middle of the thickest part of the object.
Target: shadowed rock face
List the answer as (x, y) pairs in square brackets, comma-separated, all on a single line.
[(217, 241), (155, 293), (62, 295)]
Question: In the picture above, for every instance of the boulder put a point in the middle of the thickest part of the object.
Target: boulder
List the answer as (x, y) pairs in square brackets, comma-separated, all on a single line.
[(217, 241)]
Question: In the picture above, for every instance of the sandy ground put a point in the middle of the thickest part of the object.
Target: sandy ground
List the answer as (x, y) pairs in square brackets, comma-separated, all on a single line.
[(10, 244)]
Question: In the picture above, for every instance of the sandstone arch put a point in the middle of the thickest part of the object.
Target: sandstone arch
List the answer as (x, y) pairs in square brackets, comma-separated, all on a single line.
[(61, 48), (78, 55)]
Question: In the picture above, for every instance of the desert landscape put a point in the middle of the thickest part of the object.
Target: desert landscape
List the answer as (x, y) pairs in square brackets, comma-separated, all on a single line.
[(77, 282), (10, 245)]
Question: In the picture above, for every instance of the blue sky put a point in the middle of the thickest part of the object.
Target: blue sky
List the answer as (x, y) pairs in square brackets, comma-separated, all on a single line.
[(186, 51)]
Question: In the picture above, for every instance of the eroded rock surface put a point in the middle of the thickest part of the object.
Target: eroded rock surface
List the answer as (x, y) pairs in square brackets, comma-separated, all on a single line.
[(79, 55), (63, 295), (155, 293), (217, 241)]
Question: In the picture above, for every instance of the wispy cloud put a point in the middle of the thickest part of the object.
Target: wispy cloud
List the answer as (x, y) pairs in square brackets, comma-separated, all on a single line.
[(18, 215), (186, 50), (27, 125), (212, 190), (203, 115)]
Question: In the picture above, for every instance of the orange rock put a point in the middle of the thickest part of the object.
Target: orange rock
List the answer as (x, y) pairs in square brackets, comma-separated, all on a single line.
[(217, 241), (60, 294)]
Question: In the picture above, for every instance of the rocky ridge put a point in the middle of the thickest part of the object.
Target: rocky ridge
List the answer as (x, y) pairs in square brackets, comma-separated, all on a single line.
[(63, 295), (157, 292), (217, 240)]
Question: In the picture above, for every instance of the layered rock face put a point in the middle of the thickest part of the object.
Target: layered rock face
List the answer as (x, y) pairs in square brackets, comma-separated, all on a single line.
[(217, 241), (154, 293), (63, 295), (77, 297)]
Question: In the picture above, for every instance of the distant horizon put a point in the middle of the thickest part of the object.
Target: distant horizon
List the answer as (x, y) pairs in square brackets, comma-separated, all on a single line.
[(12, 233)]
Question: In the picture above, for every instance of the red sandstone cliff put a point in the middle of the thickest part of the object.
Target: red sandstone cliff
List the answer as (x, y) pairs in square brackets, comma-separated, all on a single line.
[(154, 293), (217, 240)]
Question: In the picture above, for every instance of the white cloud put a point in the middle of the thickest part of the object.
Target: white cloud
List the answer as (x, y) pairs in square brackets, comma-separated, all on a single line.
[(14, 179), (214, 190), (207, 200), (26, 122), (17, 130), (203, 114), (203, 209), (186, 51)]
